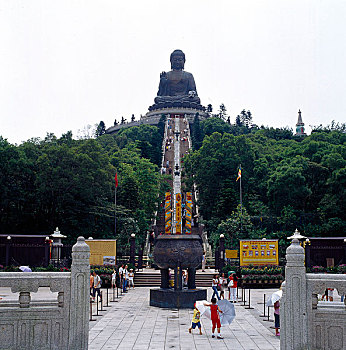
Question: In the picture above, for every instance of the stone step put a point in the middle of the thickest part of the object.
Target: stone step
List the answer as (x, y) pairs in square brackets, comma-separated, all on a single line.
[(148, 279)]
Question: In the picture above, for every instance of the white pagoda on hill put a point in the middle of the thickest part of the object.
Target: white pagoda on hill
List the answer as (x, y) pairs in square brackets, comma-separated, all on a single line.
[(300, 129)]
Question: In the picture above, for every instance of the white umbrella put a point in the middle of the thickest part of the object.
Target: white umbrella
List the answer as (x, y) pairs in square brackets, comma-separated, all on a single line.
[(227, 308), (274, 298), (25, 268), (204, 310), (228, 311)]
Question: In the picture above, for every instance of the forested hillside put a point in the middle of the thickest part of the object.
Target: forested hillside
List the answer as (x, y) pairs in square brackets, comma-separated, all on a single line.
[(70, 184), (287, 182)]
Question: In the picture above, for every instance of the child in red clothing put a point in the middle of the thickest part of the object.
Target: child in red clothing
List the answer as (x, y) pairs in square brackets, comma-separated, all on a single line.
[(215, 318)]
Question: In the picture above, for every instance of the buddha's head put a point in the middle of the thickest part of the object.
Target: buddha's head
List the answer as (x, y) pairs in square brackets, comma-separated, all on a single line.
[(177, 60)]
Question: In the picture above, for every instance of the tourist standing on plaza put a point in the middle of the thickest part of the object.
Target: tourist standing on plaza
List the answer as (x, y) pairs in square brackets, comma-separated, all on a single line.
[(97, 286), (121, 275), (214, 285), (125, 278), (196, 320), (223, 285), (92, 285), (215, 318), (184, 279), (203, 262), (131, 277), (114, 278), (232, 287), (331, 294), (277, 317)]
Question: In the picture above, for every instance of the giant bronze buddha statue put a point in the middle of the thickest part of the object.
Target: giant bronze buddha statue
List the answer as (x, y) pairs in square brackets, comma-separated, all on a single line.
[(177, 88)]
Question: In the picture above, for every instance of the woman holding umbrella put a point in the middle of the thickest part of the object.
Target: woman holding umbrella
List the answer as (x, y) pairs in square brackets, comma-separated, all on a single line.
[(277, 317), (275, 301), (232, 288)]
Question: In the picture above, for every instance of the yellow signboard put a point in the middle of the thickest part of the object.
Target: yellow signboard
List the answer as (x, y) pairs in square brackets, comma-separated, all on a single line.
[(102, 251), (231, 254), (259, 252)]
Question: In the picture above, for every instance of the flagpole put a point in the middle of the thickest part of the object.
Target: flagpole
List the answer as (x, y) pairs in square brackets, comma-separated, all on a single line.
[(115, 203), (241, 205), (115, 211)]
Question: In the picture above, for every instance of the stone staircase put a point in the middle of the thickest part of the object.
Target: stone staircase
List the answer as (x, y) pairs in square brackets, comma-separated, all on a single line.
[(152, 279)]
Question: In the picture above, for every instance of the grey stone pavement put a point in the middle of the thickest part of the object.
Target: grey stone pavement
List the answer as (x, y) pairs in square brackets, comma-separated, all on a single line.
[(131, 323)]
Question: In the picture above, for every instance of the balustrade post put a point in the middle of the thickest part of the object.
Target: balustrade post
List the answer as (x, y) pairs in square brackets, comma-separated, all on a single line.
[(293, 305), (24, 299), (61, 299), (79, 301)]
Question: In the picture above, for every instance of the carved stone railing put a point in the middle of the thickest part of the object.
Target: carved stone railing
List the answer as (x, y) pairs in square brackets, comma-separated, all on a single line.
[(305, 322), (60, 323), (326, 322)]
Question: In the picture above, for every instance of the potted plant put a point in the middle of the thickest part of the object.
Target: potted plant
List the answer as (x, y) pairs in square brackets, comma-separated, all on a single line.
[(247, 278)]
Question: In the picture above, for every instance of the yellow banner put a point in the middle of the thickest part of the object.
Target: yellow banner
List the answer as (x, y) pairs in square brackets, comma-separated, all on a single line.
[(259, 252), (168, 213), (188, 213), (178, 208), (167, 201), (189, 201), (178, 228)]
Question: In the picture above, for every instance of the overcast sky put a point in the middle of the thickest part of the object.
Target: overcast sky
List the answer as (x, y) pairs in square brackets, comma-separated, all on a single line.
[(65, 64)]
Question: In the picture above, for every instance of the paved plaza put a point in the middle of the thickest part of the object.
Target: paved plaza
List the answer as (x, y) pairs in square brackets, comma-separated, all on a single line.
[(131, 323)]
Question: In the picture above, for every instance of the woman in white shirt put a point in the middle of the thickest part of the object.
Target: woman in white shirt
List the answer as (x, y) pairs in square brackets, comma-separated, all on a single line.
[(131, 276)]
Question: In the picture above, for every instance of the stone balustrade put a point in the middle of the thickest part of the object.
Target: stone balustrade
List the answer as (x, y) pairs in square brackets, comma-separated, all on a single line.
[(62, 323), (307, 324)]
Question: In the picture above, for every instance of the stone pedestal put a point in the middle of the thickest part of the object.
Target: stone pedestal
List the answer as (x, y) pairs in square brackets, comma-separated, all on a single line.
[(178, 252), (191, 280), (164, 279), (178, 299)]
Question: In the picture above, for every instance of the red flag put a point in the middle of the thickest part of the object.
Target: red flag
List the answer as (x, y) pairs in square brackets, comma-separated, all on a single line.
[(116, 180)]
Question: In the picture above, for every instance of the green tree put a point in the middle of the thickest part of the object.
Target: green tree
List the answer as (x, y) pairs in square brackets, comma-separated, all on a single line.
[(287, 184), (101, 129), (196, 133), (237, 226), (222, 112), (145, 137), (214, 124)]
